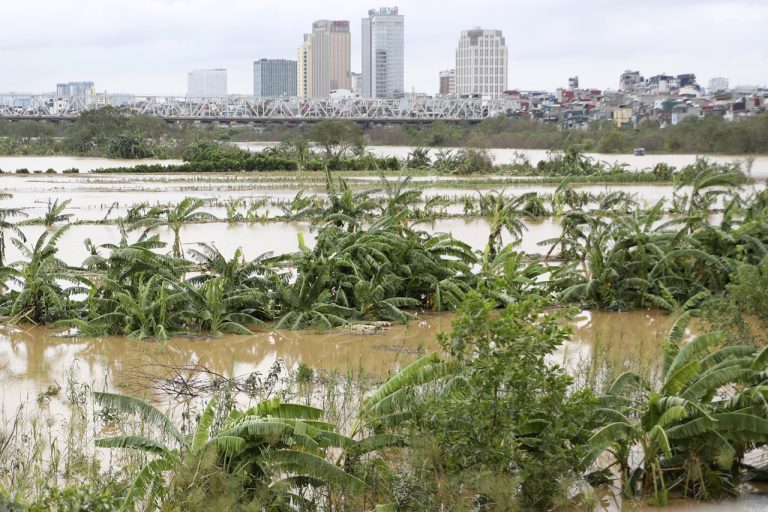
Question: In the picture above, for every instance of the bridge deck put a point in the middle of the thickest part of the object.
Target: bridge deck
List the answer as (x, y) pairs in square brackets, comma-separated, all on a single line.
[(253, 110)]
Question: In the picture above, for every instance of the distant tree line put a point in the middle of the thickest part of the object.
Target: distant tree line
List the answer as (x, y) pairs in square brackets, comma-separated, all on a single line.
[(119, 133)]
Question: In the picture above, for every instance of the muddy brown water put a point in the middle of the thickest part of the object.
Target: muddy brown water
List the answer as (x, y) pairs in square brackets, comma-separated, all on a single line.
[(35, 359)]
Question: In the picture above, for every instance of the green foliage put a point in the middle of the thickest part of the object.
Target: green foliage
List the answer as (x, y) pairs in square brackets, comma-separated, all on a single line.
[(693, 426), (128, 146), (614, 142), (79, 497), (40, 293), (335, 137), (748, 289), (265, 456), (502, 409)]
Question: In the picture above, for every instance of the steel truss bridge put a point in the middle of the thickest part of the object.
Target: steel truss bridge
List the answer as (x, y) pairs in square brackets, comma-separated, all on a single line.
[(242, 109)]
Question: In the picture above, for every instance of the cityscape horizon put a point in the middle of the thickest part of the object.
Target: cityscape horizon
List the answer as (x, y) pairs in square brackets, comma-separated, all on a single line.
[(142, 77)]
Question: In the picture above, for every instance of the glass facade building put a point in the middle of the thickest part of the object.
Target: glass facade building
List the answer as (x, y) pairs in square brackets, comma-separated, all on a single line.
[(74, 89), (207, 83), (383, 54), (274, 77)]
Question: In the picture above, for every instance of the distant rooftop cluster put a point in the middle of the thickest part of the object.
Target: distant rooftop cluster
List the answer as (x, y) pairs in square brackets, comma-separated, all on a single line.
[(665, 99)]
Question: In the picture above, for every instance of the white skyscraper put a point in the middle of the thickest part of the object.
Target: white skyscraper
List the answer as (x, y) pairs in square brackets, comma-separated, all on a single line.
[(717, 85), (383, 53), (207, 83), (481, 63)]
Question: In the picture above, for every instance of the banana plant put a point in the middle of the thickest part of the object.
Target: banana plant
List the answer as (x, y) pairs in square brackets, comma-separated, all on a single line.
[(693, 426), (40, 294), (7, 225), (276, 448)]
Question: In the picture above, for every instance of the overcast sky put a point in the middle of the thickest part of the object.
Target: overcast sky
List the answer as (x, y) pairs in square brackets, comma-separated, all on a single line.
[(148, 46)]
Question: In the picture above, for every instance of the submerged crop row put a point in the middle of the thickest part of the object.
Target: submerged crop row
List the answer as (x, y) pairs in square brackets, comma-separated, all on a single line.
[(490, 425)]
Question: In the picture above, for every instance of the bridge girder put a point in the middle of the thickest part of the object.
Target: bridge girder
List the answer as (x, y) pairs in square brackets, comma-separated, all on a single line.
[(249, 109)]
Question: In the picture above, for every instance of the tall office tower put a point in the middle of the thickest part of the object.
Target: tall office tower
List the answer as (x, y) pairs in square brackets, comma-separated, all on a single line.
[(383, 53), (75, 89), (274, 77), (304, 68), (331, 57), (207, 83), (481, 63), (448, 82)]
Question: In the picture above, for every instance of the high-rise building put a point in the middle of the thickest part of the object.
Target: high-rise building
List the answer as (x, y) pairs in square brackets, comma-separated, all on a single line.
[(716, 85), (304, 68), (448, 82), (383, 53), (331, 57), (207, 83), (629, 80), (481, 63), (75, 89), (274, 77)]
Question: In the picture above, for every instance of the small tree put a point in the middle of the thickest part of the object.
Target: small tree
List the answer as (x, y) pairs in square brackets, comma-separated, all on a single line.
[(335, 137)]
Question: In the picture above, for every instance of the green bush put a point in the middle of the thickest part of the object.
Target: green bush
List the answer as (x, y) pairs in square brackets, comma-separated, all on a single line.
[(749, 289), (512, 415)]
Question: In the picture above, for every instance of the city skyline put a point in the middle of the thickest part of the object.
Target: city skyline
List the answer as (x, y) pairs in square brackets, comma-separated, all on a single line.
[(122, 49)]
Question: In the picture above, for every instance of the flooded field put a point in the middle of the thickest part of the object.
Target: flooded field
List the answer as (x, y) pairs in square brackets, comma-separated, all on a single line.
[(96, 198), (61, 163), (34, 360), (758, 164), (509, 156)]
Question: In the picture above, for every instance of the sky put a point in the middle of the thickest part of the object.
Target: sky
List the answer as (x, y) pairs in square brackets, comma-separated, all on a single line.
[(148, 46)]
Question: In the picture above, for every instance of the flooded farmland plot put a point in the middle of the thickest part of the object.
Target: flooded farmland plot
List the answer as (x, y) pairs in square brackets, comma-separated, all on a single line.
[(461, 235), (509, 156)]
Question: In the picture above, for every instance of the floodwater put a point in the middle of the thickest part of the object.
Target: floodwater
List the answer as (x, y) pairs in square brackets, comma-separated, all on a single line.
[(275, 237), (61, 163), (96, 198), (32, 358), (510, 156)]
